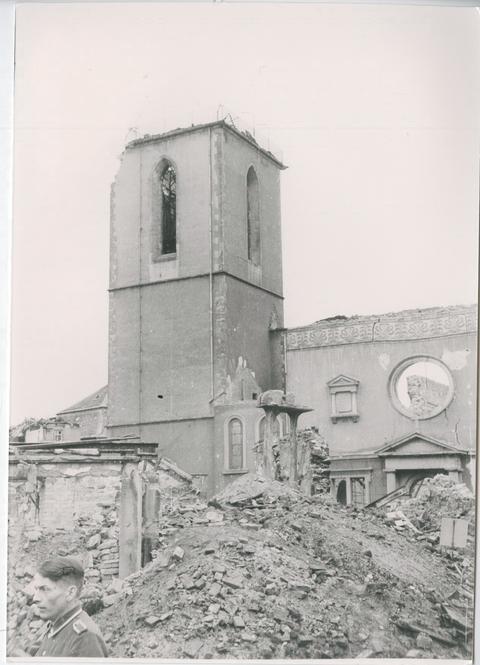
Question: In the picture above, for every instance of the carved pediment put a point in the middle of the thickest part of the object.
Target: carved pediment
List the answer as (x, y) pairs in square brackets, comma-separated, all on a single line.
[(342, 381), (418, 444)]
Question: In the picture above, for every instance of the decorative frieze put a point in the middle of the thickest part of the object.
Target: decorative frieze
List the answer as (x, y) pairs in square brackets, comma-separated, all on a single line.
[(417, 324), (339, 334)]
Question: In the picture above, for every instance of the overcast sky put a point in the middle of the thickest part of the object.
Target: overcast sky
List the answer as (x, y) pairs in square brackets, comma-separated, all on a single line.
[(374, 108)]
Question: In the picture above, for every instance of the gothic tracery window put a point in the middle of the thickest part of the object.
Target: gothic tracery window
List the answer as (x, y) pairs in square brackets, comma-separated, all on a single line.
[(168, 186)]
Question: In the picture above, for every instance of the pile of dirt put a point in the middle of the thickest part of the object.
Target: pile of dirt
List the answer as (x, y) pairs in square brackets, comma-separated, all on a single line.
[(264, 572)]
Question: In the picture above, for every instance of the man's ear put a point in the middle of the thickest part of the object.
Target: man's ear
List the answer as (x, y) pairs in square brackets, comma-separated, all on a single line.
[(72, 592)]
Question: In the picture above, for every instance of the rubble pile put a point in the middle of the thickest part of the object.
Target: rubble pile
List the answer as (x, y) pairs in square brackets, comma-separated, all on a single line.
[(420, 518), (438, 497), (265, 572), (262, 571)]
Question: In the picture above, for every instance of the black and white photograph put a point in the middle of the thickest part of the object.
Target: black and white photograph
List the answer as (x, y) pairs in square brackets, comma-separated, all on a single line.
[(243, 331)]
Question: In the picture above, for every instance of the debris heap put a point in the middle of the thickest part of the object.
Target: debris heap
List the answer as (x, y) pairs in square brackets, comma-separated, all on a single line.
[(262, 571), (265, 572)]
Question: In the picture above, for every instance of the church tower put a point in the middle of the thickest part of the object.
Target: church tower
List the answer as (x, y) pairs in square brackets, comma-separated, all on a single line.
[(196, 304)]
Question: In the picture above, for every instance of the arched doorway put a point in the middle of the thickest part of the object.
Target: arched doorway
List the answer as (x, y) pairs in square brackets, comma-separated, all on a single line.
[(342, 492)]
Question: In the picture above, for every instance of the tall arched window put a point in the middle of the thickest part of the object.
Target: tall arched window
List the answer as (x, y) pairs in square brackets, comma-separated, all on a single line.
[(235, 445), (168, 186), (253, 217), (164, 210)]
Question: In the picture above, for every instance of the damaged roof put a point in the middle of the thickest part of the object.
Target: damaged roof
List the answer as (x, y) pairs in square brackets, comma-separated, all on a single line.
[(245, 135)]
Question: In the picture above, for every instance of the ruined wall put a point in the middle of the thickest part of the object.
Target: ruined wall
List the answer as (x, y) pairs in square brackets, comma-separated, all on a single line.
[(64, 491), (310, 367)]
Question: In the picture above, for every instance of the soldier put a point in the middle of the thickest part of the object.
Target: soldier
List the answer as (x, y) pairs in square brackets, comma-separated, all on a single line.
[(70, 631)]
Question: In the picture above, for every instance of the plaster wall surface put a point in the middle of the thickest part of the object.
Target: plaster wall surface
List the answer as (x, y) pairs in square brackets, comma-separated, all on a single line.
[(91, 423), (188, 443), (160, 357), (242, 319), (124, 358), (237, 156), (372, 363), (250, 416)]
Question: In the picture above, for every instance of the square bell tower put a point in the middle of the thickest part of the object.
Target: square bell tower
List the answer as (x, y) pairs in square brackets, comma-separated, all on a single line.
[(195, 289)]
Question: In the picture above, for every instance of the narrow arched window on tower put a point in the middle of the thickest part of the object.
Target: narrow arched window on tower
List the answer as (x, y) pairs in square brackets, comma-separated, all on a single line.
[(168, 186), (235, 444), (253, 217)]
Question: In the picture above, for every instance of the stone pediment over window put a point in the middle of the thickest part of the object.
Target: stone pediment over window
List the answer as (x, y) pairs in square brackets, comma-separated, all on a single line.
[(343, 398), (341, 381)]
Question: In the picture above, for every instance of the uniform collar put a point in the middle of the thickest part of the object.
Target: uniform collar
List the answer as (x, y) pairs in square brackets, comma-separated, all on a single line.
[(61, 621)]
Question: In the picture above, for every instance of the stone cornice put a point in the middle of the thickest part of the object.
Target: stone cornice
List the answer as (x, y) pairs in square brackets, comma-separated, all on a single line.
[(401, 326)]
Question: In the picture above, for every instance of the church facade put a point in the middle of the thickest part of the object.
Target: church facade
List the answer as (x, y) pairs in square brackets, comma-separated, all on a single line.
[(196, 332)]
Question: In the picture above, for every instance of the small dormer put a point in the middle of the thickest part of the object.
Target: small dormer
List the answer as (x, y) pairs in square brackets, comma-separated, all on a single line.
[(343, 398)]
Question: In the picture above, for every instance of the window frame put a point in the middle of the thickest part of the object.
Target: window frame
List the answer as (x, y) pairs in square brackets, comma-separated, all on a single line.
[(158, 211), (227, 469), (254, 249), (397, 373)]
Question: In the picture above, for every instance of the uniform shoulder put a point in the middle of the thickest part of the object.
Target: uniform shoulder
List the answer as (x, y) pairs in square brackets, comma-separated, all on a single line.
[(79, 626), (83, 624)]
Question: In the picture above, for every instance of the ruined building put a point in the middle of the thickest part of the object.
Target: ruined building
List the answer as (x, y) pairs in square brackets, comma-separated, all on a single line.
[(394, 396), (196, 333)]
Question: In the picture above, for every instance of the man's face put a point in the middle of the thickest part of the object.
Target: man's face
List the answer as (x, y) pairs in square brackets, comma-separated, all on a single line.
[(52, 598)]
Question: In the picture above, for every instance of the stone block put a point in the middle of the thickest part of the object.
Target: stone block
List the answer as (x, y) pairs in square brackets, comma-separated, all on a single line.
[(178, 553), (112, 599), (238, 622), (235, 582), (187, 581), (117, 585), (93, 541), (214, 516), (214, 589)]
